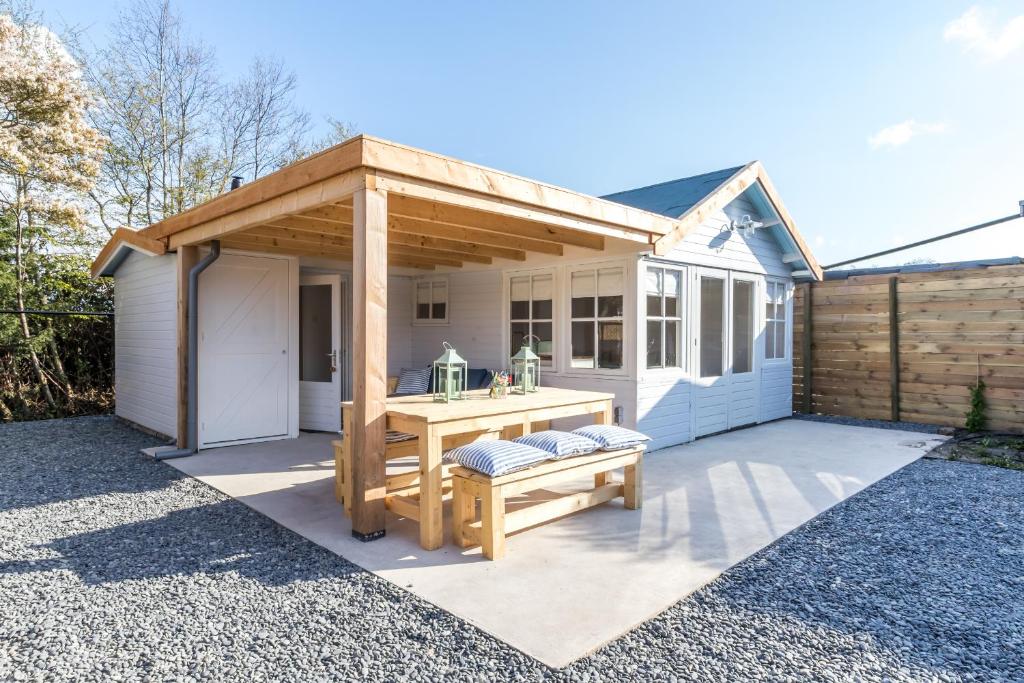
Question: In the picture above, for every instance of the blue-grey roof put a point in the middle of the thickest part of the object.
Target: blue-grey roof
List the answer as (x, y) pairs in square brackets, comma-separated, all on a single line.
[(675, 197), (923, 267)]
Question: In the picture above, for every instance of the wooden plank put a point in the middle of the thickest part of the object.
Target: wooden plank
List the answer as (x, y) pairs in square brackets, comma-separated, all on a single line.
[(125, 238), (369, 365), (468, 235), (894, 350), (549, 510), (187, 257), (807, 349), (456, 246)]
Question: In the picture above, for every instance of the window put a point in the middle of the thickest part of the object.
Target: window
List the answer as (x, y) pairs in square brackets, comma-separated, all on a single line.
[(596, 318), (431, 301), (712, 327), (742, 326), (664, 318), (775, 321), (531, 313)]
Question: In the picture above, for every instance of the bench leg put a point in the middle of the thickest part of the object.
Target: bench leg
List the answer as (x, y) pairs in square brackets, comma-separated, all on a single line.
[(602, 478), (633, 497), (492, 515), (463, 511)]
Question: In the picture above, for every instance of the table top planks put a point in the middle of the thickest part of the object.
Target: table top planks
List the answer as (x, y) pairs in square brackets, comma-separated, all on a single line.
[(477, 403)]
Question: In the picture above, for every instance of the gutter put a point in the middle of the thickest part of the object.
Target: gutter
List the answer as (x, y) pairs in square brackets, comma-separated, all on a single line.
[(192, 402)]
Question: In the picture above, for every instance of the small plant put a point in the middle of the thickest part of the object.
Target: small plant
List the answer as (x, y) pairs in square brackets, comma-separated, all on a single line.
[(976, 418)]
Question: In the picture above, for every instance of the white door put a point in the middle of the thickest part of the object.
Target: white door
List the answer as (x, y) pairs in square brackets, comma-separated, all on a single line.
[(320, 353), (243, 350), (726, 353)]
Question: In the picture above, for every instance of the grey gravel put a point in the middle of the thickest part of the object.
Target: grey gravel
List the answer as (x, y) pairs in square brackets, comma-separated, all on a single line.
[(865, 422), (115, 567)]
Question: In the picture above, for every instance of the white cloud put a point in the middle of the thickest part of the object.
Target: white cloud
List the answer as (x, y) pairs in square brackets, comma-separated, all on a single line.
[(977, 34), (901, 133)]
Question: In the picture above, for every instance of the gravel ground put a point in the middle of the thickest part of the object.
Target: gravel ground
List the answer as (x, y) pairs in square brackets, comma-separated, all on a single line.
[(115, 567)]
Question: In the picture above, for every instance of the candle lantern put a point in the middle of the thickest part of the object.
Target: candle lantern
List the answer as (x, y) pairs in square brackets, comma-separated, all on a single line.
[(450, 372), (526, 368)]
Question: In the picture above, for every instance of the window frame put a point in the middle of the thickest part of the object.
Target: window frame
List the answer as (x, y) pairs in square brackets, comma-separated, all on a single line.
[(596, 319), (681, 317), (553, 365), (784, 305), (431, 280)]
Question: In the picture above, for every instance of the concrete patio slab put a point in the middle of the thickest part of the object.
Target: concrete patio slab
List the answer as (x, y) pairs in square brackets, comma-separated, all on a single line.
[(566, 588)]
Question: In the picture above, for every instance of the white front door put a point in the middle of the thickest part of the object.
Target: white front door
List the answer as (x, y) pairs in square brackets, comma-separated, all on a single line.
[(243, 350), (726, 359), (320, 353)]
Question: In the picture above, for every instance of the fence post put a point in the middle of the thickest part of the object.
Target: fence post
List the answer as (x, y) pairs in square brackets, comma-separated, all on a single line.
[(808, 360), (894, 349)]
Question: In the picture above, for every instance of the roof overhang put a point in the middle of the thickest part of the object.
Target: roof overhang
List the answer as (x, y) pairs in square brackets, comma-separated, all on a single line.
[(438, 208), (796, 252), (122, 243)]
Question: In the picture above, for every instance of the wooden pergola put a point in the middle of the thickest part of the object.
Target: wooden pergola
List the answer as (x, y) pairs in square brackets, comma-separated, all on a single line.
[(379, 204)]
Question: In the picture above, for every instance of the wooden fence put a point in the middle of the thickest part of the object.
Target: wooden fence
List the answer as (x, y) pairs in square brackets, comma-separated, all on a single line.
[(909, 346)]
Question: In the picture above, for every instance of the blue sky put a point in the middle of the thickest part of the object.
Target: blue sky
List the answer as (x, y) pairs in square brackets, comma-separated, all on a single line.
[(880, 122)]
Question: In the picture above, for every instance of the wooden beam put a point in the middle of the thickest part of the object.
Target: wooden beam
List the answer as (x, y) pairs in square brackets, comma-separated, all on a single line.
[(413, 226), (186, 258), (404, 244), (562, 225), (408, 260), (454, 245), (894, 349), (319, 167), (125, 238), (792, 257), (296, 201), (369, 341)]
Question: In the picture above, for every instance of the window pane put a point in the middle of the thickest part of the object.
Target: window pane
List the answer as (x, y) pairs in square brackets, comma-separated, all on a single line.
[(609, 292), (769, 339), (519, 306), (583, 291), (583, 344), (712, 290), (742, 326), (438, 311), (654, 343), (315, 333), (609, 345), (543, 348), (440, 292), (672, 279), (672, 328), (654, 290), (517, 332), (780, 340), (542, 293), (423, 300)]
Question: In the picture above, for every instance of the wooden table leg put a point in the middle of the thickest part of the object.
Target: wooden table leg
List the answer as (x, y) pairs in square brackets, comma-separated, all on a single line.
[(633, 493), (492, 517), (431, 507)]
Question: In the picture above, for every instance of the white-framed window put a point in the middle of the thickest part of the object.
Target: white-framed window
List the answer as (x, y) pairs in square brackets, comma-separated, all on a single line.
[(430, 303), (775, 346), (596, 299), (664, 295), (531, 312)]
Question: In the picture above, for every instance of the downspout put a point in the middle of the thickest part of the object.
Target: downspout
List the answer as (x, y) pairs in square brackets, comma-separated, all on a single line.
[(192, 401)]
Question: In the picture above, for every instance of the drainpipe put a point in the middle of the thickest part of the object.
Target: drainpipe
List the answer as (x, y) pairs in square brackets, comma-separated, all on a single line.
[(192, 402)]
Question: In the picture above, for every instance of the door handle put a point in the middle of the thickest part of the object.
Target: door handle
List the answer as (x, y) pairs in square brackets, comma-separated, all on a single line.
[(333, 355)]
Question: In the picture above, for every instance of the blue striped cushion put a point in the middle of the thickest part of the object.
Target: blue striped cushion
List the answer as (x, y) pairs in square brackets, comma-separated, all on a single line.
[(612, 438), (415, 381), (495, 458), (560, 444)]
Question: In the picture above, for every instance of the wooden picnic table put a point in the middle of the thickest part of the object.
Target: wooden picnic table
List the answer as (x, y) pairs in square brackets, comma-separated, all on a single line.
[(478, 415)]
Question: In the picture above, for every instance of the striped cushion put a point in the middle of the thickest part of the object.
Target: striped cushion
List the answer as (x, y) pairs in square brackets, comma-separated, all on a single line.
[(495, 458), (560, 444), (612, 438), (415, 381), (397, 437)]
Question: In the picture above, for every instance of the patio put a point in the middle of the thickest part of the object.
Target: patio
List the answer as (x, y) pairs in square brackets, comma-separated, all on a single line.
[(566, 588)]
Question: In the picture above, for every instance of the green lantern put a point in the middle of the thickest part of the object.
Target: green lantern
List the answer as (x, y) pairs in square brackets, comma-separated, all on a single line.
[(526, 368), (449, 375)]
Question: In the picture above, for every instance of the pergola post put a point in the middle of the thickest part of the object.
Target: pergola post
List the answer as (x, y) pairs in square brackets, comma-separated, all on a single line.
[(369, 359)]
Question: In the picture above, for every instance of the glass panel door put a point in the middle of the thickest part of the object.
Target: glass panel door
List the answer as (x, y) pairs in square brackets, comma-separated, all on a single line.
[(742, 326), (711, 339), (315, 341)]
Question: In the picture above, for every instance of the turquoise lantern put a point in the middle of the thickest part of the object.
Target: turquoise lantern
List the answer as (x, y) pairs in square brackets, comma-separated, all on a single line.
[(526, 368), (450, 372)]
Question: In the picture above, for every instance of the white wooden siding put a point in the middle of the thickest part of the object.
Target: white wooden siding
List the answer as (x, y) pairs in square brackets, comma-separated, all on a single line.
[(709, 245), (663, 410), (776, 390), (145, 342), (399, 324), (474, 322)]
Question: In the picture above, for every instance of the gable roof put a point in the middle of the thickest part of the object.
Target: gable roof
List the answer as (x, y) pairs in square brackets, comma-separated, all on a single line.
[(674, 197), (694, 199)]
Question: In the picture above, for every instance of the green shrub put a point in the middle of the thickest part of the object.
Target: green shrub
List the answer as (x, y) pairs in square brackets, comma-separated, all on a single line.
[(976, 418)]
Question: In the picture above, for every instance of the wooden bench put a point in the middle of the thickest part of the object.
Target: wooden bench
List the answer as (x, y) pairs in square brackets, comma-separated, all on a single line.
[(496, 523)]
